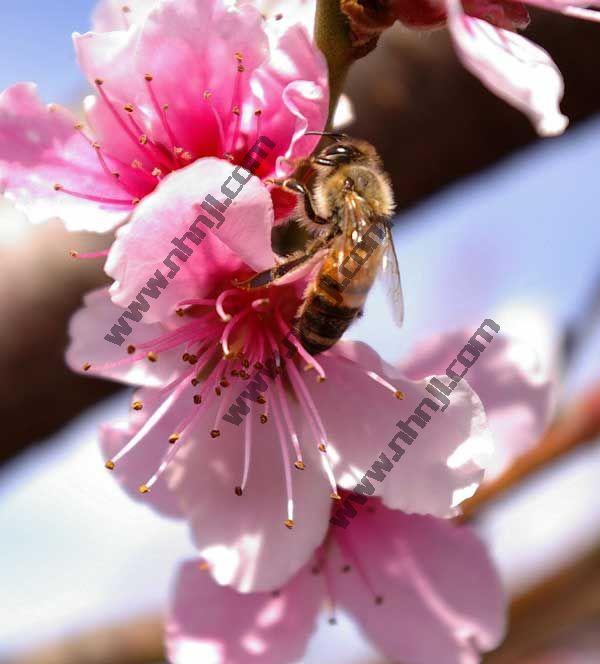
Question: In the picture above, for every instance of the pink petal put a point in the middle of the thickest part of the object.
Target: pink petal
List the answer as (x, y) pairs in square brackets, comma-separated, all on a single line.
[(87, 328), (442, 598), (39, 148), (516, 392), (296, 73), (518, 71), (244, 537), (140, 464), (437, 471), (209, 624), (577, 9), (112, 15), (244, 239)]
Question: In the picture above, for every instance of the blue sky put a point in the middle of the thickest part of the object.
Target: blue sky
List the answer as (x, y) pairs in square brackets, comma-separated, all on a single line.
[(35, 45)]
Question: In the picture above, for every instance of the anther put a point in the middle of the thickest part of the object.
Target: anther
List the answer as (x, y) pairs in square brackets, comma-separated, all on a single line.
[(98, 81), (215, 433), (300, 465), (235, 372), (346, 569), (135, 201), (156, 172), (73, 253), (399, 395), (128, 108), (308, 367), (335, 496), (245, 363), (148, 77), (278, 17), (320, 379), (57, 187), (173, 438), (143, 139), (258, 365), (179, 312), (131, 349), (206, 95), (224, 382), (332, 621), (258, 112), (238, 491), (238, 56), (260, 399), (241, 69), (152, 357), (276, 593), (143, 489), (235, 110), (379, 600), (177, 150), (218, 391), (322, 447), (78, 126), (186, 156), (264, 419), (185, 357), (289, 523), (137, 405), (96, 145), (110, 465), (197, 399), (165, 107), (193, 359), (195, 382), (87, 366)]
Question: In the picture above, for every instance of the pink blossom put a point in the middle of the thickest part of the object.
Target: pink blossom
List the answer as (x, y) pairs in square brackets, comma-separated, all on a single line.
[(175, 82), (239, 469), (421, 589), (486, 41)]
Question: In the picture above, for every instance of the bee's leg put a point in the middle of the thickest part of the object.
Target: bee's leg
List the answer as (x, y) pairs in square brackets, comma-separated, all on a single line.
[(267, 277), (292, 185)]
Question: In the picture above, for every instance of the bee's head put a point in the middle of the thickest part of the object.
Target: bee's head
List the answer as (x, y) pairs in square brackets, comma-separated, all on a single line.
[(343, 150)]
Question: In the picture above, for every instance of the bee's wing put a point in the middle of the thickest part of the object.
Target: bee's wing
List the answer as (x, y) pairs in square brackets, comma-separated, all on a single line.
[(389, 273)]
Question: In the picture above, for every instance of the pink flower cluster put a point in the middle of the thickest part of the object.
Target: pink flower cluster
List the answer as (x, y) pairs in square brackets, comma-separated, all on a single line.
[(183, 88)]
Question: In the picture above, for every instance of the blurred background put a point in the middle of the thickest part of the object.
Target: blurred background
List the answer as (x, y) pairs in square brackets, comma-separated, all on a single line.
[(492, 223)]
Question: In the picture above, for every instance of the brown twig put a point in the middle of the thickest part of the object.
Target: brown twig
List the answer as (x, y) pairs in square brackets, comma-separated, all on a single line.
[(577, 427)]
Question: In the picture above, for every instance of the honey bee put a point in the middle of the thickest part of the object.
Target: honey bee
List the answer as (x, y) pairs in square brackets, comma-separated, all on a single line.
[(348, 217)]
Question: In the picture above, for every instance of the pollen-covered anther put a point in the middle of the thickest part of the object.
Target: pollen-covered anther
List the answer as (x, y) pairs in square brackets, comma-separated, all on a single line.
[(185, 357), (129, 108), (173, 438), (399, 395), (143, 489), (177, 150), (289, 523), (78, 126), (156, 172), (195, 382), (165, 107), (73, 253), (241, 69), (136, 163), (236, 110), (193, 359), (244, 375), (135, 201), (238, 56), (321, 379), (215, 433), (245, 363), (308, 367), (264, 418), (57, 187), (300, 465), (137, 405), (261, 400), (322, 447), (258, 112), (204, 566), (87, 366), (218, 391), (110, 465), (238, 491), (99, 81), (197, 399), (131, 349), (224, 382), (186, 156), (206, 95), (152, 356), (228, 156), (179, 312), (143, 139), (335, 496), (96, 145), (149, 77)]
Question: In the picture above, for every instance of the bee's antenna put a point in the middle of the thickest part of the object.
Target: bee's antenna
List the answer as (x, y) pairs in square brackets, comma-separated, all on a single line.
[(330, 134)]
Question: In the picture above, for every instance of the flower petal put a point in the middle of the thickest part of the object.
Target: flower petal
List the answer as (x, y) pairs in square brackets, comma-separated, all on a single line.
[(516, 392), (437, 471), (215, 625), (518, 71), (87, 328), (144, 244), (39, 147), (112, 15), (442, 598)]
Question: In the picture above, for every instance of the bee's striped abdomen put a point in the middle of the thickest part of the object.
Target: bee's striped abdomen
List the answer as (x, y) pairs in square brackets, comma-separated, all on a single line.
[(322, 322)]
